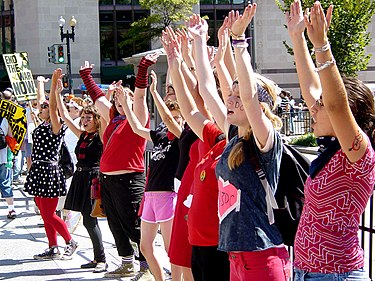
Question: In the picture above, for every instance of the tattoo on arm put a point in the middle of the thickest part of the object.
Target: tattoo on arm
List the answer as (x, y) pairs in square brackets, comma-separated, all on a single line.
[(356, 144)]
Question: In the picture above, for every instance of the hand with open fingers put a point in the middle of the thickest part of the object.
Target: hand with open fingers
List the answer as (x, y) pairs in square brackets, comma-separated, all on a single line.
[(57, 74), (295, 19), (151, 58), (87, 65), (154, 82), (186, 49), (111, 88), (242, 22), (232, 17), (223, 43), (172, 47), (42, 79), (197, 27), (59, 86), (317, 25)]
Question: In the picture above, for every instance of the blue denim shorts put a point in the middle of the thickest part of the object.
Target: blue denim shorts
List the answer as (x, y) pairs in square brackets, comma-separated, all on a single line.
[(355, 275), (5, 182)]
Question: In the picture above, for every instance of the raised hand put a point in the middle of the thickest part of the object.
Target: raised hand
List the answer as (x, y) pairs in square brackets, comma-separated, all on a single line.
[(154, 82), (242, 22), (87, 65), (59, 86), (186, 49), (197, 27), (42, 79), (295, 19), (318, 24), (172, 47)]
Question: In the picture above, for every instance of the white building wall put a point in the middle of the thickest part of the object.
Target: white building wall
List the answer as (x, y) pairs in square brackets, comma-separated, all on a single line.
[(36, 28)]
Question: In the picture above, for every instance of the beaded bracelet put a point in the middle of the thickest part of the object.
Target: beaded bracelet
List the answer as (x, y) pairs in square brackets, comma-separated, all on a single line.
[(322, 49), (324, 65), (237, 37)]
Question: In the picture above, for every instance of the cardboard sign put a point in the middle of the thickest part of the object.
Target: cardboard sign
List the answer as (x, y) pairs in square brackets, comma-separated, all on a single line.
[(20, 76), (16, 117)]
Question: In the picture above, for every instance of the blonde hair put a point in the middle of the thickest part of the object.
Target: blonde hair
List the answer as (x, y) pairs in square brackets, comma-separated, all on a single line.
[(237, 154)]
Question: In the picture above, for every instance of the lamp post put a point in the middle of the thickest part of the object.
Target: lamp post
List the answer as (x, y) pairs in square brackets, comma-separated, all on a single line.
[(68, 36)]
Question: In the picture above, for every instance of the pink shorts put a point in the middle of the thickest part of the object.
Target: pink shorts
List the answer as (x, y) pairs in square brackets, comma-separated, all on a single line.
[(158, 206)]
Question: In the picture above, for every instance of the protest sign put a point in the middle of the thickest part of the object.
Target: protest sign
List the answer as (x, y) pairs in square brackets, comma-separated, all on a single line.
[(20, 76), (16, 117)]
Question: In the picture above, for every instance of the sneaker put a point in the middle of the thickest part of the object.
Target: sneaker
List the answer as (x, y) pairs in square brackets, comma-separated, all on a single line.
[(91, 264), (69, 250), (52, 253), (101, 267), (124, 270), (143, 275), (12, 215)]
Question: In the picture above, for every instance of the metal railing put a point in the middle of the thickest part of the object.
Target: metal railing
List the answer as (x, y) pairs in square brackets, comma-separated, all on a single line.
[(296, 123)]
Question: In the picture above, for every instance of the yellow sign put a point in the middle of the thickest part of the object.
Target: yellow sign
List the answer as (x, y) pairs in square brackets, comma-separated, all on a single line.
[(16, 117), (20, 76)]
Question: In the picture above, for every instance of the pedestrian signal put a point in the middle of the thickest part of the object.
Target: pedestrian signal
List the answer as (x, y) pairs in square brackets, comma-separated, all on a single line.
[(51, 54)]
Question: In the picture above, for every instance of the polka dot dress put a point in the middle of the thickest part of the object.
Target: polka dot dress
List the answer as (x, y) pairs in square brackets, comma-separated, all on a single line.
[(45, 178)]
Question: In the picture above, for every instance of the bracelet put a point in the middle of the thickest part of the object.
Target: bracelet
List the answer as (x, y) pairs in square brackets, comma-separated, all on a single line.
[(242, 44), (237, 37), (322, 49), (324, 65)]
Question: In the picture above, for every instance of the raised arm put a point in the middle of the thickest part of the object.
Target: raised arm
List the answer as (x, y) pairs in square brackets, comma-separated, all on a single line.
[(53, 112), (141, 83), (40, 95), (198, 29), (96, 94), (335, 99), (163, 110), (64, 111), (188, 108), (126, 103), (259, 123), (308, 78)]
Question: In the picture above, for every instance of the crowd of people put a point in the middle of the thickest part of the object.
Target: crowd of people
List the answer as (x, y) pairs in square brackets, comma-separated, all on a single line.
[(218, 115)]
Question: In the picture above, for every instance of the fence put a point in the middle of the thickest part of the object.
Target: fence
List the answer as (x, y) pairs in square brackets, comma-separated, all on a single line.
[(296, 123)]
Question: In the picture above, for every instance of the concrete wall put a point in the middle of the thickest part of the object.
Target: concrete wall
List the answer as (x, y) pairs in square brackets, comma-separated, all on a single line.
[(36, 28)]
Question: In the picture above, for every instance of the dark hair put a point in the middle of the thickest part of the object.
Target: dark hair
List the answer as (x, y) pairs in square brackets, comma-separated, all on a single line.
[(92, 109), (361, 102), (172, 105)]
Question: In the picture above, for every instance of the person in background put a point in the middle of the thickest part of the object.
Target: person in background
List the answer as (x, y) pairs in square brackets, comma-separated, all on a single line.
[(342, 177), (45, 179)]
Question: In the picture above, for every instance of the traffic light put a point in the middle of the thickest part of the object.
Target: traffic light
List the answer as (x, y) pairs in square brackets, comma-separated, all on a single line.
[(65, 81), (51, 54), (60, 54)]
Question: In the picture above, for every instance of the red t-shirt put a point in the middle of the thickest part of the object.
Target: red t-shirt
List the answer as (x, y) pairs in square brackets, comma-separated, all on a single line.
[(124, 150), (326, 239), (203, 220)]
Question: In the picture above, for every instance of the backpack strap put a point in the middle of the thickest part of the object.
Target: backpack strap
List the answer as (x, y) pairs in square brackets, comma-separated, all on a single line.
[(270, 197)]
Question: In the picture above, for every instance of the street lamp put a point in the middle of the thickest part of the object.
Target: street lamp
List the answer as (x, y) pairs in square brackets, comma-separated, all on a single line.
[(68, 36)]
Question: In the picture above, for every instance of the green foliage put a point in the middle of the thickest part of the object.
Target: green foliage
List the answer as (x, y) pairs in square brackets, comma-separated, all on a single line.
[(305, 140), (348, 31), (163, 13)]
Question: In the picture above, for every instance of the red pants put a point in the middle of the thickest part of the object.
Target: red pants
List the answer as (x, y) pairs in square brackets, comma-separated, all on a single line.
[(268, 265), (52, 222)]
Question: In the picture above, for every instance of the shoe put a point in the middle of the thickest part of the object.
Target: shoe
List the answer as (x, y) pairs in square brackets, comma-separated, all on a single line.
[(101, 267), (52, 253), (143, 275), (91, 264), (124, 270), (12, 215), (70, 248)]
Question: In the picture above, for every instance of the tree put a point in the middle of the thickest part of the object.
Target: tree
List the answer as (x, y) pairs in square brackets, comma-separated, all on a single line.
[(348, 31), (163, 13)]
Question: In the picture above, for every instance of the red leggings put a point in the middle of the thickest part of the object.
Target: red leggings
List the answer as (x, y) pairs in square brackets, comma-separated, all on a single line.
[(52, 222)]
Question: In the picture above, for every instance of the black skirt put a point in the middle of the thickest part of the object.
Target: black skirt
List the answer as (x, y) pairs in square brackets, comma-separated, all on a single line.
[(79, 194)]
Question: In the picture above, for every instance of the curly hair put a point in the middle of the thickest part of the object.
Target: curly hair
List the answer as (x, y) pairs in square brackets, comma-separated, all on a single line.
[(92, 109)]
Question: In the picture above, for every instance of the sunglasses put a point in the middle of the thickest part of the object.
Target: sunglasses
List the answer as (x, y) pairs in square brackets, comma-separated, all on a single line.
[(44, 106)]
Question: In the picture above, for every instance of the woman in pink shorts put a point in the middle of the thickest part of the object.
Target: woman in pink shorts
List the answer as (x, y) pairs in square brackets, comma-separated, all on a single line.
[(159, 196)]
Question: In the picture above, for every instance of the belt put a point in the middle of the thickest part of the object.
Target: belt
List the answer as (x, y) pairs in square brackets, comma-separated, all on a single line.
[(85, 169)]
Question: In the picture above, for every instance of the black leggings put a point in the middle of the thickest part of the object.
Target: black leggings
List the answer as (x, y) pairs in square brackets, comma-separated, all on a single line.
[(92, 227), (121, 198)]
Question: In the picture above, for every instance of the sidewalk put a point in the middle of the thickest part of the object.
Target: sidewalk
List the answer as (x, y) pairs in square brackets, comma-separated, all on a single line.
[(22, 238)]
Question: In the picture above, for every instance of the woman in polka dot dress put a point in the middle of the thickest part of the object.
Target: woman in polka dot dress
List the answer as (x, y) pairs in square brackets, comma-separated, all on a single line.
[(45, 179)]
